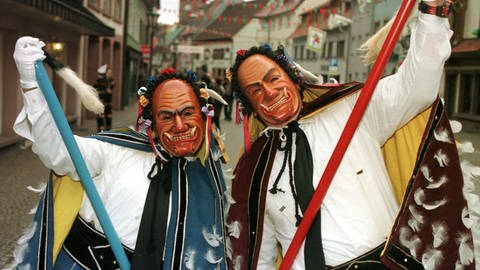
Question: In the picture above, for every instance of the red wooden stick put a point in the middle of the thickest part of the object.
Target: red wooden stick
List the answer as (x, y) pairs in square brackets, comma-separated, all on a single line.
[(347, 133)]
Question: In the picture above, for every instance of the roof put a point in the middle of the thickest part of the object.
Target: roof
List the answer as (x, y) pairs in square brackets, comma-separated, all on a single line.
[(275, 9), (302, 30), (307, 6), (467, 45), (74, 12), (230, 21)]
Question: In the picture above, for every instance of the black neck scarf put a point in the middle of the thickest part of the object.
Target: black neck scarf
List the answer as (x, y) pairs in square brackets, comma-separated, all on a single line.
[(153, 226), (302, 191)]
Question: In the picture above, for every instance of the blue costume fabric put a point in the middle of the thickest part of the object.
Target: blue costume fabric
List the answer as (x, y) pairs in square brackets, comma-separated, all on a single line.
[(195, 238)]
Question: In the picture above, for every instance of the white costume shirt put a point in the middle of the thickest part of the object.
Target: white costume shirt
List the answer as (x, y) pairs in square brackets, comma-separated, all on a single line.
[(359, 207), (119, 173)]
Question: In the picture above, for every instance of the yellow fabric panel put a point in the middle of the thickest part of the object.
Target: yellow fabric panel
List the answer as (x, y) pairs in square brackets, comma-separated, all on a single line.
[(401, 150), (67, 198)]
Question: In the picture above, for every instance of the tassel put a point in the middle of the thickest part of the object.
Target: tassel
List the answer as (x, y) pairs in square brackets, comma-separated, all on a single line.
[(209, 112), (88, 95), (237, 114), (246, 133)]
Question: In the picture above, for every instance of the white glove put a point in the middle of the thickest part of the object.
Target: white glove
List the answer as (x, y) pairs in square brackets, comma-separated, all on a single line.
[(27, 51)]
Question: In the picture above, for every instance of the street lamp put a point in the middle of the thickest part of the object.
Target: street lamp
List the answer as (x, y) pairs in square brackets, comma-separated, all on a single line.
[(152, 18)]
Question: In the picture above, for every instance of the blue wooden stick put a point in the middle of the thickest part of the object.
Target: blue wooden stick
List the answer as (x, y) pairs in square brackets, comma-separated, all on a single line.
[(80, 166)]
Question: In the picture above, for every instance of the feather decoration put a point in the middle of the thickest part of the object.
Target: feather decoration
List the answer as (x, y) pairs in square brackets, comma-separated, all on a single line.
[(228, 247), (211, 93), (432, 259), (213, 239), (443, 180), (456, 126), (412, 242), (467, 147), (21, 249), (442, 135), (465, 251), (434, 204), (441, 158), (234, 229), (210, 257), (419, 196), (309, 75), (458, 265), (39, 189), (426, 173), (33, 211), (467, 221), (440, 234), (217, 154), (88, 95), (414, 224), (416, 214), (189, 259), (237, 263)]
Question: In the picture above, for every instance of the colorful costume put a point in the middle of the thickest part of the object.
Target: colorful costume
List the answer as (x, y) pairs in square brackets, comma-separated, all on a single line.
[(361, 204), (119, 163)]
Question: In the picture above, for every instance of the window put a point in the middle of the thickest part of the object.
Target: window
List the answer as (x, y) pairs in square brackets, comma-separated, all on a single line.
[(301, 51), (95, 4), (329, 49), (107, 8), (218, 54), (341, 48), (465, 102), (117, 10)]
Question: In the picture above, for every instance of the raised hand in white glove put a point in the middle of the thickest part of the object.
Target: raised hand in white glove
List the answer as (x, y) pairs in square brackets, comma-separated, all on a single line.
[(27, 51)]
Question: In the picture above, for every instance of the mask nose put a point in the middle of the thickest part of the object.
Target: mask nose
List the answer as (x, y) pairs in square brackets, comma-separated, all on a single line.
[(179, 124), (270, 91)]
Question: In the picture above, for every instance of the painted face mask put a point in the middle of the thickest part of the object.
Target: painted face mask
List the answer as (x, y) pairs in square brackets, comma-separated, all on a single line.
[(271, 92), (178, 119)]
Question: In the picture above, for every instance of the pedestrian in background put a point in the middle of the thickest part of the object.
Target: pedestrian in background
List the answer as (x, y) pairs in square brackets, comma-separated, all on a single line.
[(228, 96), (104, 86)]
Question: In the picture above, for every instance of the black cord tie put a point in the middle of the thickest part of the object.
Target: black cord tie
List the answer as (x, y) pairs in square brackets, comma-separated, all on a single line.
[(286, 145)]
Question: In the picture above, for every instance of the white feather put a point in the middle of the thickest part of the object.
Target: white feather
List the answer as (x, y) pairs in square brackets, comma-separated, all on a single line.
[(228, 247), (414, 224), (467, 221), (443, 180), (467, 147), (416, 214), (465, 251), (190, 259), (442, 135), (440, 234), (419, 196), (458, 265), (456, 126), (432, 258), (410, 241), (210, 257), (39, 189), (216, 155), (426, 173), (88, 95), (213, 239), (237, 263), (215, 96), (33, 211), (21, 248), (309, 75), (441, 158), (234, 229), (434, 204)]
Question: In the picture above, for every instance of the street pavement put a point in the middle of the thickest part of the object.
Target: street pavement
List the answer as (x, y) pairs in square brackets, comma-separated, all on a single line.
[(21, 168)]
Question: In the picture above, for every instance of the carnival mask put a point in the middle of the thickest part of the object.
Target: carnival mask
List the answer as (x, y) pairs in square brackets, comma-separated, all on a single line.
[(269, 89), (178, 119)]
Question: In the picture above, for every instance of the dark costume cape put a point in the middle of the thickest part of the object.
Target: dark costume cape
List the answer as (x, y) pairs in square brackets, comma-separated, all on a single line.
[(423, 202), (195, 235)]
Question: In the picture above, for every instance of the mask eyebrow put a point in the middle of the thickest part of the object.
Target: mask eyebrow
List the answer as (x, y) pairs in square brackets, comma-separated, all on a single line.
[(264, 78), (179, 110)]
